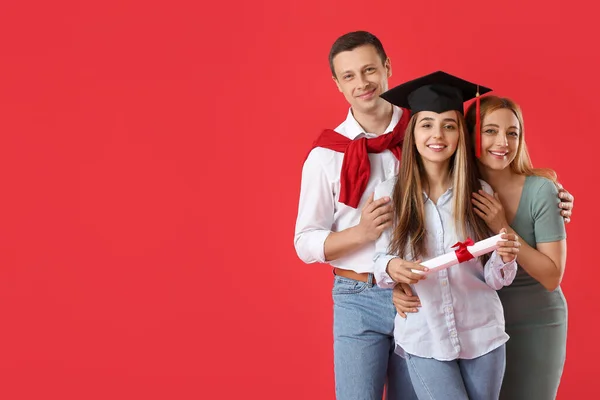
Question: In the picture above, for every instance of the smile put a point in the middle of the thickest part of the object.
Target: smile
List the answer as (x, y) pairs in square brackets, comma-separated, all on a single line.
[(437, 147), (367, 95), (498, 154)]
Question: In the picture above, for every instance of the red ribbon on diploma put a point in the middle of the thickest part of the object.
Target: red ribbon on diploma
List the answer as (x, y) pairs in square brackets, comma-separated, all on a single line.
[(462, 254)]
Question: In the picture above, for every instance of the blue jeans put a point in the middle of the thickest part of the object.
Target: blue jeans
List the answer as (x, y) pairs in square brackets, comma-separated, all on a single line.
[(476, 379), (363, 332)]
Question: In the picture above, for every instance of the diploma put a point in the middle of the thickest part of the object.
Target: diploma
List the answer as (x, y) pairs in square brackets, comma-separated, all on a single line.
[(465, 251)]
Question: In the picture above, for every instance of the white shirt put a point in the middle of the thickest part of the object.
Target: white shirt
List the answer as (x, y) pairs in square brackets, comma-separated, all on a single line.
[(461, 314), (319, 210)]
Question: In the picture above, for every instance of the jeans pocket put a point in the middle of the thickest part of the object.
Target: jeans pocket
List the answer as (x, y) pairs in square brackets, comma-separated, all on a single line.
[(343, 285)]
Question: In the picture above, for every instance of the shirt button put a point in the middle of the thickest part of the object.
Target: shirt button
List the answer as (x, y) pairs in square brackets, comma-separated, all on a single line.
[(453, 334), (444, 283)]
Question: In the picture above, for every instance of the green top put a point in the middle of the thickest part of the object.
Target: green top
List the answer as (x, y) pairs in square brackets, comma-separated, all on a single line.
[(538, 218)]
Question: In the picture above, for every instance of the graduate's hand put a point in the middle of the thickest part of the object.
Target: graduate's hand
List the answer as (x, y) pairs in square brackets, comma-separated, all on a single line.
[(508, 248), (566, 204), (375, 217), (489, 208), (401, 271), (404, 301)]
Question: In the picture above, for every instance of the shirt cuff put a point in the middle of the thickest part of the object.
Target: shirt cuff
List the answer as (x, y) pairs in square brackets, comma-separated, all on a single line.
[(310, 246), (500, 274), (379, 271)]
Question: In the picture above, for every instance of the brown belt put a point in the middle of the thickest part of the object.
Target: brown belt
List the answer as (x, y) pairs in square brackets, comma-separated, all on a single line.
[(346, 273)]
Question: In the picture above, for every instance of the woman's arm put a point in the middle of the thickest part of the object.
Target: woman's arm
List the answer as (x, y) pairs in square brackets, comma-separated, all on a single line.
[(546, 262)]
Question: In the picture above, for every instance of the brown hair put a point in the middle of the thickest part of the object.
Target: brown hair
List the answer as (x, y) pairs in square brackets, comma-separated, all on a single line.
[(409, 208), (352, 40)]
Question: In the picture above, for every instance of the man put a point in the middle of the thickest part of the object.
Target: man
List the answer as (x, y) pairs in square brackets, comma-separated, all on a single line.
[(343, 234), (338, 221)]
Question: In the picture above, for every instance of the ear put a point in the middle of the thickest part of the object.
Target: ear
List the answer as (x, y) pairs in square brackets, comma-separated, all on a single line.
[(388, 67), (337, 83)]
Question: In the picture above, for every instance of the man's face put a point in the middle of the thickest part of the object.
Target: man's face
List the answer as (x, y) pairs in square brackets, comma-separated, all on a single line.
[(361, 76)]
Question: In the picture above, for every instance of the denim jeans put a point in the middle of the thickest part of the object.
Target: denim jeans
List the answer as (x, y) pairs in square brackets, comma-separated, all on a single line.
[(476, 379), (363, 331)]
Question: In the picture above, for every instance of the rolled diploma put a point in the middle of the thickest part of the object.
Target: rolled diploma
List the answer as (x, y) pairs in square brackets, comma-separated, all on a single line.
[(449, 259)]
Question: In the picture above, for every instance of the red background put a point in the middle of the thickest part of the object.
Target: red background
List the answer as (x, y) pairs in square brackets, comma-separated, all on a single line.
[(150, 160)]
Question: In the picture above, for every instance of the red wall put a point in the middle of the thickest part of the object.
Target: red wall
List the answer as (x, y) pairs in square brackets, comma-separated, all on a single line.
[(150, 158)]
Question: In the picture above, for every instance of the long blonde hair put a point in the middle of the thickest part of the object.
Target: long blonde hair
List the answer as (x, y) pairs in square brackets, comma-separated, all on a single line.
[(409, 231), (522, 164)]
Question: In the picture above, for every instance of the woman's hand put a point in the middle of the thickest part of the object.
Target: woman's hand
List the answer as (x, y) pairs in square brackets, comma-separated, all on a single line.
[(489, 208), (508, 248), (401, 271)]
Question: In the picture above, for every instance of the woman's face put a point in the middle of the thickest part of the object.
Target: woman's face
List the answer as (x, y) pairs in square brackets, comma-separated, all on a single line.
[(436, 135), (500, 131)]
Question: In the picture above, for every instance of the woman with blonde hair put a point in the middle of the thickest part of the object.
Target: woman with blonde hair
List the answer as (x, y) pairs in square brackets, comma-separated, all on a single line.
[(525, 203)]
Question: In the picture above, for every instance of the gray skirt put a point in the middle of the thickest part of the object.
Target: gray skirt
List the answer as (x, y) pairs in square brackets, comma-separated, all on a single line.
[(536, 321)]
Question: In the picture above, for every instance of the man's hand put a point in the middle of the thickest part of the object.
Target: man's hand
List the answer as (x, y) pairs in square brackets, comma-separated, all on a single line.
[(376, 217), (566, 203), (404, 301)]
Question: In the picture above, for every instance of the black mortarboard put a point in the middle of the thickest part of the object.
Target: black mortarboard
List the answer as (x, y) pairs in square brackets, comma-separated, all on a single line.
[(437, 92)]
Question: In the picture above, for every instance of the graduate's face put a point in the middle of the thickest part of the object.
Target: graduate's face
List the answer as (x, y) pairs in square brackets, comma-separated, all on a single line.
[(500, 132), (436, 135), (361, 76)]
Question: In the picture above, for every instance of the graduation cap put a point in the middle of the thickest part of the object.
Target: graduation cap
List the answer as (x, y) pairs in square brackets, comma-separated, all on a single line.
[(438, 92)]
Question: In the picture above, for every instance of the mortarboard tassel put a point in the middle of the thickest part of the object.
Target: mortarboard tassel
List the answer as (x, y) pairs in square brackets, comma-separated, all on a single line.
[(477, 126)]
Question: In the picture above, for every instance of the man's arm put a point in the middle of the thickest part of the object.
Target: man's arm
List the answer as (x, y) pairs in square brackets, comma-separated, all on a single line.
[(314, 241), (315, 211), (375, 218)]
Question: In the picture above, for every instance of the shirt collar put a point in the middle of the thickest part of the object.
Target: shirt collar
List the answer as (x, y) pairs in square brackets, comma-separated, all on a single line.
[(442, 197), (353, 129)]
